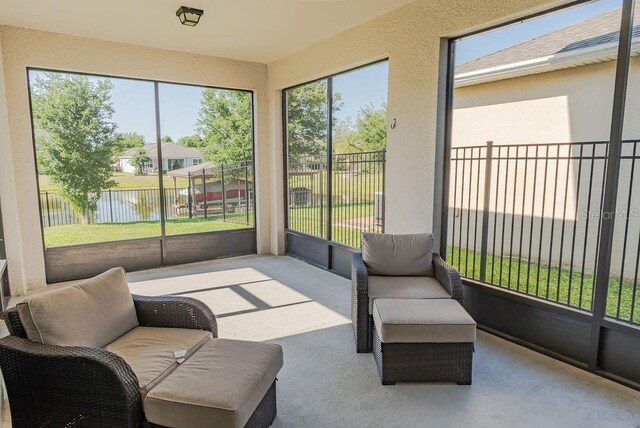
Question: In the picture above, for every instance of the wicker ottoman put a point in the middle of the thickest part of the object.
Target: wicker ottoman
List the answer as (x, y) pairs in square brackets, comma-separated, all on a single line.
[(423, 340), (225, 383)]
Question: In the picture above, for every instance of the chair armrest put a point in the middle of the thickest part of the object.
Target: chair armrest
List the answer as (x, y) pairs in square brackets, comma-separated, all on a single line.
[(360, 303), (448, 277), (68, 385), (176, 312), (14, 325), (359, 274)]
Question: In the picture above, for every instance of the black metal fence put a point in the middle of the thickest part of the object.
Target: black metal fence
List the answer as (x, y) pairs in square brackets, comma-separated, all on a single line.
[(220, 193), (223, 191), (114, 206), (348, 194), (527, 218)]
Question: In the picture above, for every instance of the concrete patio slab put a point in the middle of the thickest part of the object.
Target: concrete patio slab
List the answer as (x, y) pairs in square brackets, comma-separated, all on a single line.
[(324, 383)]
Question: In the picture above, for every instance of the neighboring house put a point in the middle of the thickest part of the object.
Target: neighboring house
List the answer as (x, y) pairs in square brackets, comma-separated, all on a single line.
[(556, 88), (174, 156)]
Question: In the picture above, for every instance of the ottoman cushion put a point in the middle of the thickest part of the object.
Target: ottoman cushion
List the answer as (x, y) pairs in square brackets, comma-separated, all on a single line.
[(221, 384), (423, 321), (404, 287)]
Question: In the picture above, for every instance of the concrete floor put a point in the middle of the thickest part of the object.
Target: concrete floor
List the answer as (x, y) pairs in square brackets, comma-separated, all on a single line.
[(324, 383)]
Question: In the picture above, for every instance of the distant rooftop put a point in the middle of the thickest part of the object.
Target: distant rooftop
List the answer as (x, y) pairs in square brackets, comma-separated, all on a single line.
[(593, 40)]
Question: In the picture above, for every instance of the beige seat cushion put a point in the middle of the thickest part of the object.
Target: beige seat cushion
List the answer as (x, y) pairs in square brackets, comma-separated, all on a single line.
[(404, 287), (423, 321), (150, 351), (219, 386), (401, 255), (91, 313)]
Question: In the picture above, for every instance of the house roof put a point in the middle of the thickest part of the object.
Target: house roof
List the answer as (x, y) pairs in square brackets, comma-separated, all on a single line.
[(209, 168), (169, 151), (192, 170), (590, 41)]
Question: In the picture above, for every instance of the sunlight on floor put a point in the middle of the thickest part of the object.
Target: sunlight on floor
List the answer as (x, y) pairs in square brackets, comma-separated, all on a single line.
[(248, 303)]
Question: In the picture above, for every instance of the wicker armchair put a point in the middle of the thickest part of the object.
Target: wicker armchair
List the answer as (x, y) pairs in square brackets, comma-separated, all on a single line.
[(446, 275), (80, 386)]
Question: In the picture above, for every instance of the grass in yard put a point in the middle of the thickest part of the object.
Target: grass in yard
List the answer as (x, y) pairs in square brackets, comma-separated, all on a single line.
[(556, 284), (59, 236), (363, 185), (124, 180), (308, 220)]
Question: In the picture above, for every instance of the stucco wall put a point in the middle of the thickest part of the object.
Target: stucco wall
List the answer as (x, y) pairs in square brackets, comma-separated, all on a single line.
[(561, 106), (572, 105), (12, 236), (23, 48), (411, 38)]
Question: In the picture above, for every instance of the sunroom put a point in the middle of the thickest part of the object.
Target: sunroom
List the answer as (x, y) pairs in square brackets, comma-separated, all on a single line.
[(400, 213)]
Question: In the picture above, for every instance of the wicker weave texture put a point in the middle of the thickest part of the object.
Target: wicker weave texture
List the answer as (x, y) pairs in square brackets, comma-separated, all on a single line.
[(176, 312), (362, 322), (448, 277), (14, 325), (267, 410), (360, 304), (423, 362), (68, 386)]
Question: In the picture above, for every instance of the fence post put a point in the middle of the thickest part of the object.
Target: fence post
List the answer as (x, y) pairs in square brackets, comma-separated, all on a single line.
[(110, 206), (485, 211), (48, 209), (246, 191), (384, 193), (204, 191), (224, 195), (189, 201)]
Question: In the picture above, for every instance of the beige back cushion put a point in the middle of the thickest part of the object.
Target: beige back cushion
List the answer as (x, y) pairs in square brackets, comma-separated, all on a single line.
[(398, 255), (91, 313)]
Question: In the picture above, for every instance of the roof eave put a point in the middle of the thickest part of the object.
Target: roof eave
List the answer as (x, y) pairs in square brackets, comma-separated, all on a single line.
[(564, 60)]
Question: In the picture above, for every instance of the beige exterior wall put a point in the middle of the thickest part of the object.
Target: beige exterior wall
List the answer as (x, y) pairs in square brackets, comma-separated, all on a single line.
[(22, 48), (8, 197), (562, 106), (410, 37), (572, 105)]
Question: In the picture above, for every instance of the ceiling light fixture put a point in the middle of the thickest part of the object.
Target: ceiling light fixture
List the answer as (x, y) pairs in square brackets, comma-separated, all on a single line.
[(189, 16)]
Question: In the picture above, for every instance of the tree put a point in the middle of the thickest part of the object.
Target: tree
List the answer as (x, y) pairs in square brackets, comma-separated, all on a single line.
[(371, 126), (128, 140), (307, 119), (345, 137), (140, 160), (166, 139), (224, 121), (191, 141), (75, 136)]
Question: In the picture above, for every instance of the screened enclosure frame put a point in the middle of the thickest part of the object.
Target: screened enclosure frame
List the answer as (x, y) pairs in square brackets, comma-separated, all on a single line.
[(591, 340), (322, 251), (213, 244)]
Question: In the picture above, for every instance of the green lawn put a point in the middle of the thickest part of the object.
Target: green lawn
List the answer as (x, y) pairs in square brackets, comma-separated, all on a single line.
[(307, 220), (359, 186), (124, 180), (58, 236), (556, 284)]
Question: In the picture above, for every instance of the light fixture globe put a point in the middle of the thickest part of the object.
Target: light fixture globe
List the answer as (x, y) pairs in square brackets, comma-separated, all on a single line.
[(189, 16)]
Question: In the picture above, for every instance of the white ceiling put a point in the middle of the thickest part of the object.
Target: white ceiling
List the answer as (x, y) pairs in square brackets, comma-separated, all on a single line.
[(253, 30)]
